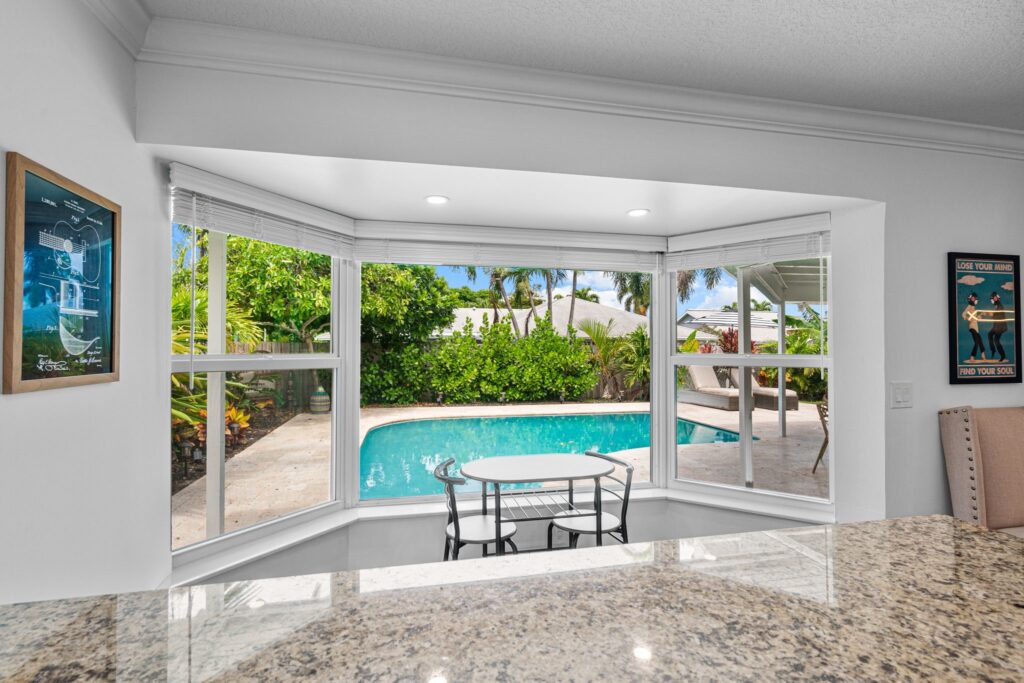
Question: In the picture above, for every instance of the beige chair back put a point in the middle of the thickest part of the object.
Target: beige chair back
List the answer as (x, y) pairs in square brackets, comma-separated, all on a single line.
[(984, 451), (704, 377)]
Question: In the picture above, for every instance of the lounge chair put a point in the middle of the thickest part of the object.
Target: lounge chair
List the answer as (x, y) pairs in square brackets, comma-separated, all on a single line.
[(707, 391), (766, 397)]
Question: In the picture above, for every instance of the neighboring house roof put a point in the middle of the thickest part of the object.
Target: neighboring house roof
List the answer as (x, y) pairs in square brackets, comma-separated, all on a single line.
[(623, 322), (763, 324)]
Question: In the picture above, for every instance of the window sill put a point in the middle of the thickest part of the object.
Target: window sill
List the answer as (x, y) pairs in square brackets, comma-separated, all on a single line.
[(205, 560)]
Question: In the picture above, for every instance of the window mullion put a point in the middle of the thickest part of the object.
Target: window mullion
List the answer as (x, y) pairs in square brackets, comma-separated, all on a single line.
[(216, 325)]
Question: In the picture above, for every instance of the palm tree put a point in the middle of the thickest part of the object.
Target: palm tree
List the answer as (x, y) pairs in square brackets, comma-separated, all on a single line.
[(496, 287), (685, 280), (633, 290), (635, 359), (755, 305), (605, 353), (587, 294), (572, 301), (520, 279), (552, 278)]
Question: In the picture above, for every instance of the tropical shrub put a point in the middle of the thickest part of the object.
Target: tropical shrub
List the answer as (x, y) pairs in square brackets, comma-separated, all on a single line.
[(541, 366), (636, 362)]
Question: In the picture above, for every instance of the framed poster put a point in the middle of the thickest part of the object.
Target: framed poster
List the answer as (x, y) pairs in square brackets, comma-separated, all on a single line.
[(984, 318), (61, 282)]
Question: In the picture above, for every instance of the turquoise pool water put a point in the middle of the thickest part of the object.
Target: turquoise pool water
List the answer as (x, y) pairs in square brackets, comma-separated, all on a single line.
[(398, 459)]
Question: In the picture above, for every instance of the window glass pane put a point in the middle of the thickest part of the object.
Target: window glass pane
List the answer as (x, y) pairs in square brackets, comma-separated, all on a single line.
[(277, 444), (787, 445), (471, 362), (276, 441), (181, 289), (708, 425), (188, 459), (278, 298), (708, 301), (706, 316)]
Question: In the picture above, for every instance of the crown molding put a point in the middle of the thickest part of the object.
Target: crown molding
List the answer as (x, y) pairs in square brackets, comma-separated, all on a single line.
[(127, 20), (223, 48)]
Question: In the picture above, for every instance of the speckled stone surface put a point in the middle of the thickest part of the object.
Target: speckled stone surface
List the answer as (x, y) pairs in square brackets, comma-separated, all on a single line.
[(914, 598)]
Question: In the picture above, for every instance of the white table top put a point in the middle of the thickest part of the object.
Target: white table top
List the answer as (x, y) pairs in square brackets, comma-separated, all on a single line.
[(520, 469)]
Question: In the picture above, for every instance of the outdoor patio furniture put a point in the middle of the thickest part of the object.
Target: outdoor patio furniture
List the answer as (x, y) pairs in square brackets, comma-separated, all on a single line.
[(823, 416), (985, 465), (707, 391), (609, 523), (476, 529), (542, 504), (766, 398)]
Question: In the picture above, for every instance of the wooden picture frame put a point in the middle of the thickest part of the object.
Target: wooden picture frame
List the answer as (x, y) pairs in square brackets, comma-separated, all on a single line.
[(62, 282), (984, 318)]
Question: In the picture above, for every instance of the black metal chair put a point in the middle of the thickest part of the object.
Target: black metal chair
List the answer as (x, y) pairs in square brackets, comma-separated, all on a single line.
[(476, 529), (610, 524)]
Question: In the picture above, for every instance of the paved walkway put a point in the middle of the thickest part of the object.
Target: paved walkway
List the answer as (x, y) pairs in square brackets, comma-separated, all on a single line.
[(289, 469)]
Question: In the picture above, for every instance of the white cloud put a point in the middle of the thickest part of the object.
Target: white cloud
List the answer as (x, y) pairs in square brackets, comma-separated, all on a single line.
[(971, 280), (605, 296), (722, 295), (1008, 286), (595, 279)]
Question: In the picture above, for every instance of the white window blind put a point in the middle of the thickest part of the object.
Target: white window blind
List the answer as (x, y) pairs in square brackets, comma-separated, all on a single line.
[(540, 256), (810, 245), (209, 201)]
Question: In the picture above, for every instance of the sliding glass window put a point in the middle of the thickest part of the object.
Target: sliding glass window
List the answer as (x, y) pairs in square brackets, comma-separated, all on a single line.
[(751, 365)]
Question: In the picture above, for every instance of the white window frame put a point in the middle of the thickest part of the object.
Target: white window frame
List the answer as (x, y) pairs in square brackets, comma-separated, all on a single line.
[(357, 241), (751, 499), (215, 366), (438, 252)]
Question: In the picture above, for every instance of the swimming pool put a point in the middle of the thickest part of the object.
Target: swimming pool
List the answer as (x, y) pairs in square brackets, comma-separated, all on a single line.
[(398, 459)]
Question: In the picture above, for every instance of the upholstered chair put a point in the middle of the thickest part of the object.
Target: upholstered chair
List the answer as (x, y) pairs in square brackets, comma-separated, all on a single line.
[(984, 449)]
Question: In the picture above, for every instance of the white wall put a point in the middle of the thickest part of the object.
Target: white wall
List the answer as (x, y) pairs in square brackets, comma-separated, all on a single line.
[(893, 281), (84, 482)]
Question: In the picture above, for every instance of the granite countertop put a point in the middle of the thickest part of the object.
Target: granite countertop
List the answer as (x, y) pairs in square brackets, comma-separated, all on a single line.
[(912, 598)]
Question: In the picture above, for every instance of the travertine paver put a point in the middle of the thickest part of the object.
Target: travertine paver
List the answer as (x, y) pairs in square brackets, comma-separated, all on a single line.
[(288, 469)]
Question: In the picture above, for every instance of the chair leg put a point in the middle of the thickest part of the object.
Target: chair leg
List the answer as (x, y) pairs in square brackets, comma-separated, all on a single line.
[(455, 550), (821, 454), (447, 548), (511, 543), (551, 529), (625, 533), (485, 550), (573, 540)]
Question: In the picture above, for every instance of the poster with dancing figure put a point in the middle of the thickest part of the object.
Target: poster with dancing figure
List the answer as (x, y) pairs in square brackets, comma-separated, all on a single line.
[(61, 281), (984, 318)]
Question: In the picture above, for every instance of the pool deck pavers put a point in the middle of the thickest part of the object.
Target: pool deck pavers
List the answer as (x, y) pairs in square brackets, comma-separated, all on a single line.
[(288, 469)]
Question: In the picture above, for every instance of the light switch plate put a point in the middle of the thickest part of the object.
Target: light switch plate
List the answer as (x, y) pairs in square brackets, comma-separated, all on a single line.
[(901, 394)]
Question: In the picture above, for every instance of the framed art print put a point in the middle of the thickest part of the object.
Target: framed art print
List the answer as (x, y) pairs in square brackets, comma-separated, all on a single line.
[(984, 318), (61, 281)]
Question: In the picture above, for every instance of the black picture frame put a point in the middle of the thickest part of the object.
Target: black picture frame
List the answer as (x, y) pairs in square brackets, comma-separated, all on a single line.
[(982, 320)]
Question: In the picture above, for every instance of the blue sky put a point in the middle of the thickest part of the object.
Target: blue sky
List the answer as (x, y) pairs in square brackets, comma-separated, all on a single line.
[(722, 295)]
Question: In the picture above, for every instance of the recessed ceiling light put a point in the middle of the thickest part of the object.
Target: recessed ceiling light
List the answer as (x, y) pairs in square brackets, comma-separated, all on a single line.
[(437, 199), (637, 213)]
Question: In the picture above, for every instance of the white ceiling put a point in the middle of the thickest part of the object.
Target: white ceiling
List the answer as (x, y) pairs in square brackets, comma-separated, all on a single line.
[(946, 59), (393, 191)]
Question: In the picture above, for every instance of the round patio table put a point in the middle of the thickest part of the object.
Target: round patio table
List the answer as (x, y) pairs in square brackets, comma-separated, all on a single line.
[(522, 469)]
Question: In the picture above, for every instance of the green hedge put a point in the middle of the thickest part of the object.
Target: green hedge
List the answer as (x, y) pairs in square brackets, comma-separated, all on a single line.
[(460, 369)]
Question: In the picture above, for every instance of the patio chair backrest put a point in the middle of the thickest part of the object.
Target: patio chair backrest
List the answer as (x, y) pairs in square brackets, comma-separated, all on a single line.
[(450, 482), (734, 377), (704, 377), (627, 484)]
